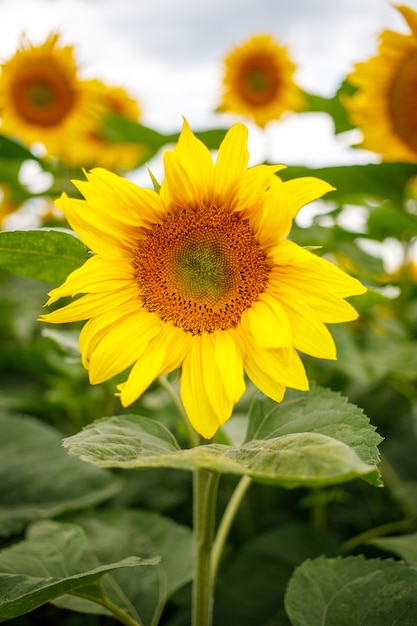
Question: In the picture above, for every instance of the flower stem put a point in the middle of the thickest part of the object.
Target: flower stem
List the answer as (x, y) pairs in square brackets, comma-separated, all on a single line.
[(204, 509), (226, 523)]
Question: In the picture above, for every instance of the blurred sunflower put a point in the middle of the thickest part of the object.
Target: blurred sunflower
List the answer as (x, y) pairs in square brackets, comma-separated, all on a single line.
[(258, 81), (383, 107), (42, 99), (200, 277), (95, 149)]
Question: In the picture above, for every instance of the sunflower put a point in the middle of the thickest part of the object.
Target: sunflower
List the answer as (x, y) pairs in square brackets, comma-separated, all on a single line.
[(42, 99), (258, 81), (200, 277), (94, 149), (383, 107)]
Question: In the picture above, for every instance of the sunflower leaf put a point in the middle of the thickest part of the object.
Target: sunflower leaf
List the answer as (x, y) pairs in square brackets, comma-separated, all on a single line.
[(27, 492), (44, 254), (118, 533), (352, 590), (291, 460), (318, 411), (55, 559)]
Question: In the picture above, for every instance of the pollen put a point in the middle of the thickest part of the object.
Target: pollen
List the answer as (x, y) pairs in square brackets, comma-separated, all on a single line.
[(201, 269), (42, 94)]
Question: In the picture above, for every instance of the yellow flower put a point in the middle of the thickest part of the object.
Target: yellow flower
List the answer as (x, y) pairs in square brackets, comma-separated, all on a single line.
[(383, 107), (200, 277), (94, 149), (258, 81), (42, 98)]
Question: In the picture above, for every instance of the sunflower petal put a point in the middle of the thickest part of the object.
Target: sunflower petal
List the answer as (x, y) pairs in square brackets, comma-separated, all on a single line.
[(273, 370), (267, 322), (189, 173), (124, 343), (198, 400), (168, 347), (232, 160), (301, 191)]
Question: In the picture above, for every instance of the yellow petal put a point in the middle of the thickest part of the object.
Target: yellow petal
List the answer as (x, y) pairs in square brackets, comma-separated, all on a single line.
[(272, 370), (248, 190), (267, 322), (91, 305), (96, 275), (302, 265), (273, 222), (410, 17), (232, 160), (170, 345), (310, 335), (97, 233), (189, 173), (123, 344), (301, 191), (96, 328), (229, 363), (202, 392)]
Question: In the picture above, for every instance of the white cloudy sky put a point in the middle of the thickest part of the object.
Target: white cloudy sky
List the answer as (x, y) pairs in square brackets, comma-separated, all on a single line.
[(168, 54)]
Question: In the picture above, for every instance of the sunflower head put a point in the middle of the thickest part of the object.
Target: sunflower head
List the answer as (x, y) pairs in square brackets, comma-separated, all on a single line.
[(94, 148), (42, 99), (258, 81), (384, 107), (200, 277)]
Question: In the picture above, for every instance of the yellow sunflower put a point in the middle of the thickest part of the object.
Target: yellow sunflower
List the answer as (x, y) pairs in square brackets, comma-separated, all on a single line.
[(94, 149), (42, 98), (200, 277), (384, 105), (258, 81)]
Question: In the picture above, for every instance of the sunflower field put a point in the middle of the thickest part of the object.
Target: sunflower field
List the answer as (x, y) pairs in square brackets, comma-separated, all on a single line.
[(259, 361)]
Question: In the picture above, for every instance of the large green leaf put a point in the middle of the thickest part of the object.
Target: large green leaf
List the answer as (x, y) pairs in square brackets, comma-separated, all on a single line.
[(291, 460), (318, 411), (44, 254), (119, 533), (39, 479), (346, 591), (56, 559)]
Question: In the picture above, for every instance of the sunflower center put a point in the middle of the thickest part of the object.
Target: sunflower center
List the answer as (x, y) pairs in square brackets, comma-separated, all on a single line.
[(42, 94), (201, 269), (259, 81), (403, 102)]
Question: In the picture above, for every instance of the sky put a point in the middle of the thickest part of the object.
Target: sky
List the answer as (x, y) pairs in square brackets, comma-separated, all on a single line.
[(168, 54)]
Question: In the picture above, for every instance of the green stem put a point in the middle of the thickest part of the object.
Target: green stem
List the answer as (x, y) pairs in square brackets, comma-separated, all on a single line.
[(379, 531), (117, 612), (204, 510), (226, 523), (169, 388)]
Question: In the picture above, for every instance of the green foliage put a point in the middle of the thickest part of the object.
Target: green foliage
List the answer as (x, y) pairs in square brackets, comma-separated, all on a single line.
[(54, 560), (90, 542), (44, 254), (352, 591), (28, 493), (325, 447)]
